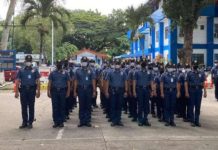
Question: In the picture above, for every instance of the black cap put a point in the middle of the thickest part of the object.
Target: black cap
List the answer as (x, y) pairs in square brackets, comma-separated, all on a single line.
[(84, 59), (58, 62), (92, 61), (28, 58)]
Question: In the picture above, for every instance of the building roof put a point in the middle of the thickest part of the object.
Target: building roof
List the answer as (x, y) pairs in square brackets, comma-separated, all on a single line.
[(101, 55)]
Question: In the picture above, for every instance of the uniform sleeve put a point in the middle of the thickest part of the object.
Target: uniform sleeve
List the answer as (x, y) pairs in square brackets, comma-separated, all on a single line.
[(67, 76), (50, 76), (18, 77), (108, 76), (125, 76), (37, 74), (187, 77), (93, 75), (76, 76), (162, 78), (134, 75)]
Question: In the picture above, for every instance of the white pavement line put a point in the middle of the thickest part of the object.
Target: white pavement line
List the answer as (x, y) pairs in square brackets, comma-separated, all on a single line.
[(60, 134)]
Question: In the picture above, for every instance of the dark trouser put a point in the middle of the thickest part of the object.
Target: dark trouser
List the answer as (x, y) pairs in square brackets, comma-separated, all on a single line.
[(184, 106), (170, 104), (216, 89), (160, 107), (133, 106), (143, 95), (68, 106), (102, 98), (58, 97), (125, 104), (153, 104), (116, 101), (85, 102), (195, 104), (27, 100)]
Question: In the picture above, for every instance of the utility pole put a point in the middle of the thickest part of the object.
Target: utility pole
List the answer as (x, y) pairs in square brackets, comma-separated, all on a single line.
[(52, 44)]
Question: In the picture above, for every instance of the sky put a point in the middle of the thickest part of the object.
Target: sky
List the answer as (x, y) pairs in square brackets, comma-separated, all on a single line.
[(103, 6)]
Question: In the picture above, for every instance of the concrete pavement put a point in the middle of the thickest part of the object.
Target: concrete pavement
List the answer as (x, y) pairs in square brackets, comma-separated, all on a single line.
[(102, 136)]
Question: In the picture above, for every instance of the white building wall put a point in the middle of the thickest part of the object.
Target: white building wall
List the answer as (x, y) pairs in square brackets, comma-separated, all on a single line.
[(157, 29), (166, 25), (199, 35), (215, 22)]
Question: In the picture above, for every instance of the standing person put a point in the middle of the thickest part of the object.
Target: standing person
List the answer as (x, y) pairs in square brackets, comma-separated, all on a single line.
[(116, 89), (85, 87), (28, 84), (143, 86), (170, 90), (58, 90), (214, 75), (194, 83)]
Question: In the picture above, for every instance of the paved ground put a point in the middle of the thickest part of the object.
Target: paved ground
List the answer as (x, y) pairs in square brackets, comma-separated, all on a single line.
[(102, 136)]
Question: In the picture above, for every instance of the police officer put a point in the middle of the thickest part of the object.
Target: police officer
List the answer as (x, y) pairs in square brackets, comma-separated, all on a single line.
[(214, 75), (58, 90), (143, 88), (170, 90), (28, 83), (85, 88), (117, 89), (194, 83)]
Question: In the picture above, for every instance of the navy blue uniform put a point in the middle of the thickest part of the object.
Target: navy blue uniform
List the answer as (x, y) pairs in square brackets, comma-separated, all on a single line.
[(28, 78), (59, 80), (116, 79), (143, 80), (84, 78), (169, 81), (214, 73), (195, 80)]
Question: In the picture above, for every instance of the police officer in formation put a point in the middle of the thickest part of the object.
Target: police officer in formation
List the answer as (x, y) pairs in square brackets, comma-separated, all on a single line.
[(28, 84), (85, 89), (214, 75), (59, 92)]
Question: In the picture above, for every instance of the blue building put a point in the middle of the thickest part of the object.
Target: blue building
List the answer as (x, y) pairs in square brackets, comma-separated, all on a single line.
[(161, 40)]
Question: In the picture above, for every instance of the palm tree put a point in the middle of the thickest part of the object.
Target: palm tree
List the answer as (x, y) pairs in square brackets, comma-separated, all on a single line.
[(137, 16), (6, 30), (41, 10)]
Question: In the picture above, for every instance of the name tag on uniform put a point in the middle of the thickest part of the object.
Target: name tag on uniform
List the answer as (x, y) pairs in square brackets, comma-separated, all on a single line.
[(29, 76), (172, 80), (87, 78)]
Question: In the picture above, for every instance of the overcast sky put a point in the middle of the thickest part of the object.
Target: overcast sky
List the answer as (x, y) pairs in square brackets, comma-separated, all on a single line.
[(103, 6)]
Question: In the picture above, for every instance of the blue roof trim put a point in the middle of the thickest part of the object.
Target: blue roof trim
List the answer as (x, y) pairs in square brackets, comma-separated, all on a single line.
[(210, 10)]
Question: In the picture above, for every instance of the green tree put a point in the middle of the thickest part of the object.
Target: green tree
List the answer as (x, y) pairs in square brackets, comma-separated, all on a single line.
[(42, 10), (185, 13), (65, 51)]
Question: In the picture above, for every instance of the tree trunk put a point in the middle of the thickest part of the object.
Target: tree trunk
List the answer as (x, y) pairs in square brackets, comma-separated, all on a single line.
[(6, 30), (188, 41)]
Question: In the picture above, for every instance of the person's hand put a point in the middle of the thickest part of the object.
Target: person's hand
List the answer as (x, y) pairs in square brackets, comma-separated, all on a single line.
[(94, 94), (37, 94), (178, 94), (162, 95), (125, 94), (205, 94), (107, 94), (16, 95), (134, 94), (187, 95)]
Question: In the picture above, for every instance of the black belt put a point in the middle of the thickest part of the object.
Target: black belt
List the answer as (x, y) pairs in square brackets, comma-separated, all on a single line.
[(148, 87), (58, 89), (195, 87), (170, 89), (84, 86), (27, 87)]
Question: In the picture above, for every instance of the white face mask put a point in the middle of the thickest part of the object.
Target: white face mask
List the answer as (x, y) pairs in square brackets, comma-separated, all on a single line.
[(92, 64), (28, 64), (183, 70), (188, 69), (170, 69), (112, 66), (117, 67), (138, 66), (84, 64), (132, 64), (155, 69)]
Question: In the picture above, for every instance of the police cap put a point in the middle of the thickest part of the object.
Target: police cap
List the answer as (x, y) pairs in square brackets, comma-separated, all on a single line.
[(84, 59), (28, 58)]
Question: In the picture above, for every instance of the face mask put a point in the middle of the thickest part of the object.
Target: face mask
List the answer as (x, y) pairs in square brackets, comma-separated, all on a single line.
[(170, 69), (183, 70), (117, 67), (28, 64), (132, 64), (188, 69), (112, 66), (127, 66), (138, 67), (92, 64), (155, 69), (84, 64)]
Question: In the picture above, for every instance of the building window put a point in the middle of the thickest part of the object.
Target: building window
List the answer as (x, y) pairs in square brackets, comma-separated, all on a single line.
[(199, 58), (202, 27), (216, 31), (157, 36), (181, 33), (166, 32)]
